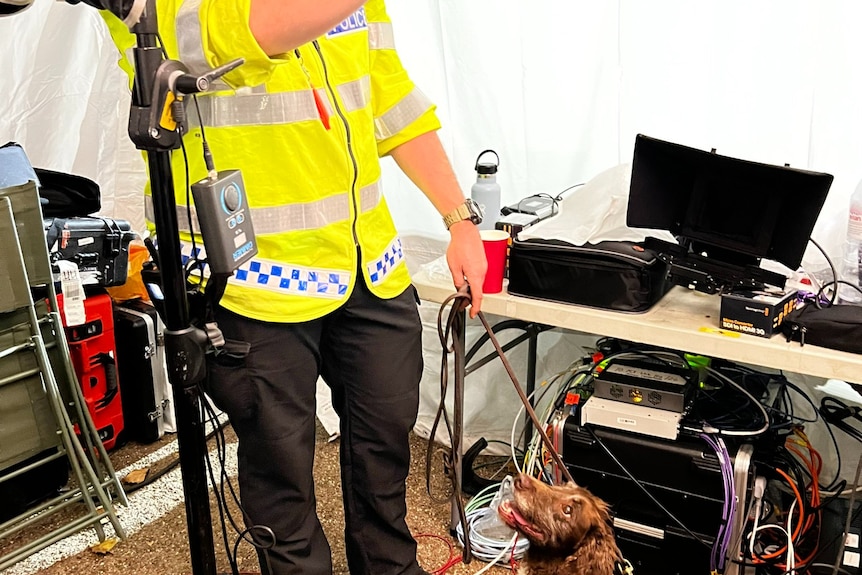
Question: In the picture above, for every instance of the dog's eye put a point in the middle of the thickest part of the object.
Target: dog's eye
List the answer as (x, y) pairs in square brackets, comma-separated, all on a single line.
[(567, 510)]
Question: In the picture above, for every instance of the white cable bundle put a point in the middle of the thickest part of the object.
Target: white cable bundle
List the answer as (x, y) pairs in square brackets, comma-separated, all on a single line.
[(491, 540)]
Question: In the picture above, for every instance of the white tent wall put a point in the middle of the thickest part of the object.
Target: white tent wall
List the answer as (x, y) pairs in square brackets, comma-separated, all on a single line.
[(67, 101), (559, 88)]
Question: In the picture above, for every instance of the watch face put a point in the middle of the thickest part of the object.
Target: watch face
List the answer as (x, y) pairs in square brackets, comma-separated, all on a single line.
[(475, 211), (469, 210)]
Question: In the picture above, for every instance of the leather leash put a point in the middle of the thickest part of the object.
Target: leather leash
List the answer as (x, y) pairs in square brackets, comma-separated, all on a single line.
[(452, 340)]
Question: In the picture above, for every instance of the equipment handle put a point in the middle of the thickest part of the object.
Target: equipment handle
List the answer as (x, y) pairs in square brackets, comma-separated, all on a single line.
[(112, 387)]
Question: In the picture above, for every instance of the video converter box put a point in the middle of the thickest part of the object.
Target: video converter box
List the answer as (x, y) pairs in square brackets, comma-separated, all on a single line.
[(759, 313)]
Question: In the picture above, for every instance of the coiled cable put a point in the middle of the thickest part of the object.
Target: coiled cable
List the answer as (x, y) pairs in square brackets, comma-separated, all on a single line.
[(486, 546)]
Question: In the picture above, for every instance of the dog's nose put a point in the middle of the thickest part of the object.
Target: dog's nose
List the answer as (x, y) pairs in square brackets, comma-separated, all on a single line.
[(522, 481)]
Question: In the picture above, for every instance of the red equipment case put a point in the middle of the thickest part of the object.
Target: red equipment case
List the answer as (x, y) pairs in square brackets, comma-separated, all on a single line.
[(93, 351)]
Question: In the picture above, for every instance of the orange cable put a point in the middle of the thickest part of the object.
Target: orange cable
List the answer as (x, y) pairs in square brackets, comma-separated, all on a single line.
[(800, 506)]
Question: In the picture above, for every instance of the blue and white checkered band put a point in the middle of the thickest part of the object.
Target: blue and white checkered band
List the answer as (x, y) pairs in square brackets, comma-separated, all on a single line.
[(187, 253), (383, 266), (353, 23), (284, 278)]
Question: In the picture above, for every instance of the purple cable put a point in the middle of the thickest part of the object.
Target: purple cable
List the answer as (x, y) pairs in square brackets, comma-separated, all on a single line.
[(732, 502), (715, 547), (722, 540)]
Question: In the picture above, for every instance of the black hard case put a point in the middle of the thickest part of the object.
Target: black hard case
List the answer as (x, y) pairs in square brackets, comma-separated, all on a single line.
[(99, 246), (683, 475), (621, 276), (141, 362)]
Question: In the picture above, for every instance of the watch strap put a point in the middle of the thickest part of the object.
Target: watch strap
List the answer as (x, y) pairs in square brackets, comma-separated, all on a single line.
[(459, 214)]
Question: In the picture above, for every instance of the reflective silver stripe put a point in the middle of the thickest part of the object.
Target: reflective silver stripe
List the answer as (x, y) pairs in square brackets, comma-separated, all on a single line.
[(251, 109), (311, 216), (189, 37), (130, 56), (381, 36), (356, 95), (182, 215), (289, 218), (190, 42), (369, 197), (280, 277), (393, 256), (402, 114)]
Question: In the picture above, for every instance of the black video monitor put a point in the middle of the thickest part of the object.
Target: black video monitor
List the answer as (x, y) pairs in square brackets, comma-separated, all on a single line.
[(741, 211)]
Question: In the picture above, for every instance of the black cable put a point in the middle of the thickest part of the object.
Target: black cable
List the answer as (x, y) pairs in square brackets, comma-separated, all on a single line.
[(220, 505), (788, 384), (834, 277), (188, 200), (817, 417), (643, 488), (221, 501), (265, 546), (221, 497), (208, 157), (836, 412), (192, 264), (727, 414), (836, 490), (559, 196), (162, 46), (835, 282)]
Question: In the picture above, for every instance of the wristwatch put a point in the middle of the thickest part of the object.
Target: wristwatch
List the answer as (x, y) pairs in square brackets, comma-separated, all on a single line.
[(469, 210)]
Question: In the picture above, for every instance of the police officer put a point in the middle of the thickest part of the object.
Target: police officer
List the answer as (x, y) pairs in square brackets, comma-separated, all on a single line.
[(321, 97)]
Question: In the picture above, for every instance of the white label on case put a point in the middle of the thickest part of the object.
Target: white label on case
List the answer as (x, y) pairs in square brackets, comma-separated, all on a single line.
[(86, 241), (73, 293)]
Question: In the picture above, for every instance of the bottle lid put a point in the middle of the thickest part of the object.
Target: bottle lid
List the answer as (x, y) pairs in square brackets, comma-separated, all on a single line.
[(486, 169)]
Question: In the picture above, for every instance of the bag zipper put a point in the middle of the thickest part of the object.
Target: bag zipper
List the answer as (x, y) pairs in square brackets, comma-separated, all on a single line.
[(586, 251)]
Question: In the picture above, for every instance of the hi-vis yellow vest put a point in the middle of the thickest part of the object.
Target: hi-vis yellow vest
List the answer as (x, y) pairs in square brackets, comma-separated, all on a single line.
[(306, 129)]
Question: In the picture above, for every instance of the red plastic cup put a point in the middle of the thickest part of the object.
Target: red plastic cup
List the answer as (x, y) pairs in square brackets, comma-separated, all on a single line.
[(496, 243)]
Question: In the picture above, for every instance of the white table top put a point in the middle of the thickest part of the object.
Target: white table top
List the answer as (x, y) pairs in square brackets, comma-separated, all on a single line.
[(684, 320)]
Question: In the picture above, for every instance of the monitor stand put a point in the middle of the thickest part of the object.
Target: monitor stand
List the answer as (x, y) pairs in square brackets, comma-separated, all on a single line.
[(709, 274)]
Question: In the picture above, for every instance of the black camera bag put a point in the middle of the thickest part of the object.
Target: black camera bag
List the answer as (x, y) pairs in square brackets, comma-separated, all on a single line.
[(616, 275), (836, 327)]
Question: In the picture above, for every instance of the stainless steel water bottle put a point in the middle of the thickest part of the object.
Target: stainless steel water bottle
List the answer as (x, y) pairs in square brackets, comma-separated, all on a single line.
[(486, 190)]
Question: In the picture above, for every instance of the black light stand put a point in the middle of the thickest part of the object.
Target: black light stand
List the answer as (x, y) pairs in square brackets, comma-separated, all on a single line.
[(185, 344)]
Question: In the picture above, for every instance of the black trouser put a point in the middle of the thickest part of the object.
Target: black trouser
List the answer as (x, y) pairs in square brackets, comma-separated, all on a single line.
[(369, 351)]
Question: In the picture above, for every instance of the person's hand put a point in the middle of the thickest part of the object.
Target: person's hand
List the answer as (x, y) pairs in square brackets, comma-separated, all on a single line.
[(466, 258)]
